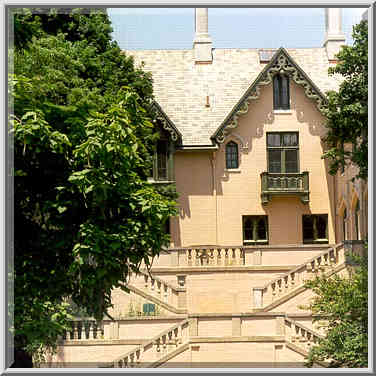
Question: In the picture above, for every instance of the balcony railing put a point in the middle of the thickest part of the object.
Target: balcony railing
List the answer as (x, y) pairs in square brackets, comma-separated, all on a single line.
[(284, 184)]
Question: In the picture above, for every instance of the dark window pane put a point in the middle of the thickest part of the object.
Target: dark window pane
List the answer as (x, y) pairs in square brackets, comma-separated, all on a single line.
[(321, 223), (248, 229), (274, 160), (308, 228), (291, 161), (289, 139), (261, 229), (162, 159), (285, 95), (274, 139), (232, 160), (276, 91)]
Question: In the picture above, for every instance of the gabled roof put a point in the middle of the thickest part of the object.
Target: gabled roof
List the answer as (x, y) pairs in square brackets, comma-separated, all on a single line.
[(181, 87), (281, 62)]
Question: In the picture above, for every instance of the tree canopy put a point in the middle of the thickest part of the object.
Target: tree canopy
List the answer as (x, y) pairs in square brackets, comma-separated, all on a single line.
[(341, 306), (84, 214), (347, 109)]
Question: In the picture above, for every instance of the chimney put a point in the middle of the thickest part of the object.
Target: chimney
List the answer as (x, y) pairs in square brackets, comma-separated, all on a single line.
[(202, 44), (334, 37)]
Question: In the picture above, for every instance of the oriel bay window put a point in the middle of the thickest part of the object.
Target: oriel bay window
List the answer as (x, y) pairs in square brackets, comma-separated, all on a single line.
[(281, 92), (255, 229), (315, 228), (283, 152)]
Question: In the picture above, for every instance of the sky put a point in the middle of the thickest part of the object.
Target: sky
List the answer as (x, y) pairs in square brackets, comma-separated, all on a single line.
[(173, 28)]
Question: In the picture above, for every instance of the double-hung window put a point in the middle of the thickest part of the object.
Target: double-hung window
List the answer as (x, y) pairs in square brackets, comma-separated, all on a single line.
[(281, 92), (283, 152)]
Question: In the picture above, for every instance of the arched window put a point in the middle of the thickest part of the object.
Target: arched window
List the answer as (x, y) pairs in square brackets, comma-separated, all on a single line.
[(232, 157), (281, 92)]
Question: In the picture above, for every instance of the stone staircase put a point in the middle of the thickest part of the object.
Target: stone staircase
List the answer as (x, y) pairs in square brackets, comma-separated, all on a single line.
[(290, 284), (158, 350), (154, 289), (173, 341)]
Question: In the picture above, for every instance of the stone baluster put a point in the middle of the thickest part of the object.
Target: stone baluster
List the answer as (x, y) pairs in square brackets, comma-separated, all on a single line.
[(197, 258), (189, 257), (211, 257), (219, 259), (91, 329), (226, 257)]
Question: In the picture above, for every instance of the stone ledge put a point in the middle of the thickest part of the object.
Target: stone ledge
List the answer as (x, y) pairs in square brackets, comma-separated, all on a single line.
[(96, 342), (210, 269), (241, 314), (237, 339), (148, 318)]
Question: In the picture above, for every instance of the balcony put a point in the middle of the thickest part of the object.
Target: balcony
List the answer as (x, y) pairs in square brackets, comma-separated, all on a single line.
[(283, 184)]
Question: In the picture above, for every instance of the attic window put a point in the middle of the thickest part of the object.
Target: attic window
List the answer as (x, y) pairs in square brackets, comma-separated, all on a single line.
[(281, 92)]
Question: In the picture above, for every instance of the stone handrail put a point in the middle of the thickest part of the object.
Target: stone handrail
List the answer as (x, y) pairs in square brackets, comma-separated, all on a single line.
[(296, 277), (85, 329), (300, 335), (159, 346), (156, 287)]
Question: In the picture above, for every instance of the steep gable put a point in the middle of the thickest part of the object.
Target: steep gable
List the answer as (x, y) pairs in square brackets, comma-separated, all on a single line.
[(281, 62)]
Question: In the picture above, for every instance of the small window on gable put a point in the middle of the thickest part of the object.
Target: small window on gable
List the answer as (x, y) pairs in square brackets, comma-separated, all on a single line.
[(232, 155), (281, 92)]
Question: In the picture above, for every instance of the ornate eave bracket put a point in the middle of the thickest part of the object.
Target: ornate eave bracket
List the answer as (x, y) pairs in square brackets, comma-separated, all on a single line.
[(166, 122), (280, 63)]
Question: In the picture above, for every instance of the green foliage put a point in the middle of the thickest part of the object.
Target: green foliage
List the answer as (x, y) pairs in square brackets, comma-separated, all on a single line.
[(343, 304), (347, 109), (83, 134)]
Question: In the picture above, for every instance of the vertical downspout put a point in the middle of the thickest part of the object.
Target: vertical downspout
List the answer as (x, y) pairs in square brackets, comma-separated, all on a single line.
[(212, 160)]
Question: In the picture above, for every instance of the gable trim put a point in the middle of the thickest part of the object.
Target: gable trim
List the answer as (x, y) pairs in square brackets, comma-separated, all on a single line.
[(281, 62), (168, 125)]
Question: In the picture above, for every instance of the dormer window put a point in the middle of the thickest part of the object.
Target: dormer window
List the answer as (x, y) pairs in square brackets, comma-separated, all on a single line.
[(281, 92), (232, 155)]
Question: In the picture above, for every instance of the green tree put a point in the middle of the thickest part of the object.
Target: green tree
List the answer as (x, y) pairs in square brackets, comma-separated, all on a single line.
[(347, 109), (341, 307), (85, 217)]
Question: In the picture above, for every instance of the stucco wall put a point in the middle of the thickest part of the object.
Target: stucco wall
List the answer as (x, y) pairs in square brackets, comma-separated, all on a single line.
[(212, 213)]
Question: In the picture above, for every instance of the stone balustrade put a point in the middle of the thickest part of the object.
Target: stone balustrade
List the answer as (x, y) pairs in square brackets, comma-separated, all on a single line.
[(158, 288), (286, 283), (214, 256), (158, 347), (85, 330), (300, 335)]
